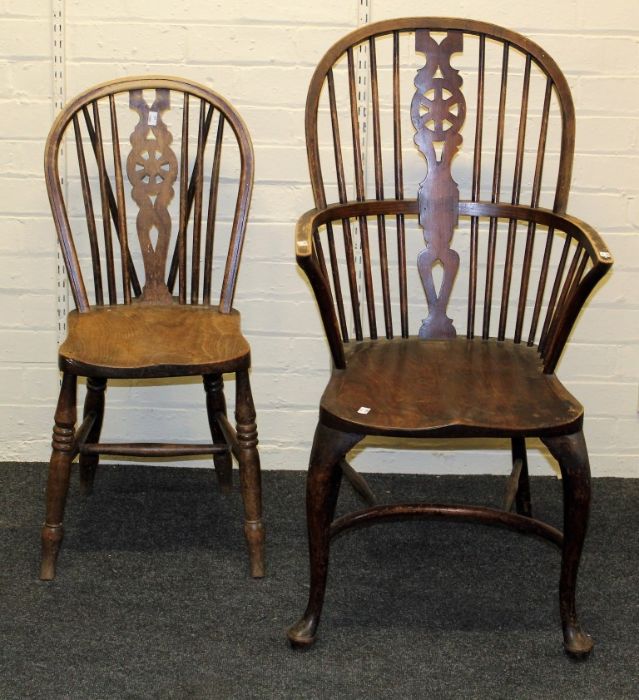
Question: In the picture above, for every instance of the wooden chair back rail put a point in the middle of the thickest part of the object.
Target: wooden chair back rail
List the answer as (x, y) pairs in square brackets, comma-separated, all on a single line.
[(191, 263), (323, 82), (552, 302)]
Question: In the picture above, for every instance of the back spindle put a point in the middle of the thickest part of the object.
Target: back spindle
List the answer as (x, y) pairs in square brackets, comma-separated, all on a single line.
[(90, 215), (184, 174), (360, 196), (119, 188), (399, 189), (492, 232), (212, 209), (379, 190), (476, 186)]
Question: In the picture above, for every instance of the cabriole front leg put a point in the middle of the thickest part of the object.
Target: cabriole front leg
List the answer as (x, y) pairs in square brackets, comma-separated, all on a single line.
[(571, 453), (93, 403), (322, 489), (250, 479), (59, 472)]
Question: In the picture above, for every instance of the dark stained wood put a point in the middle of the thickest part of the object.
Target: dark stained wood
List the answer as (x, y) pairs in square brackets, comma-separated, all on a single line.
[(428, 511), (522, 497), (403, 384), (360, 195), (137, 290), (495, 196), (343, 197), (215, 405), (322, 488), (155, 334), (184, 174), (93, 406), (249, 463), (438, 194), (379, 192), (530, 236), (210, 216), (119, 189), (150, 449), (451, 387), (197, 222), (571, 453), (106, 210), (554, 294), (359, 484), (90, 215), (476, 186), (230, 434), (399, 188), (59, 473), (512, 226), (190, 197)]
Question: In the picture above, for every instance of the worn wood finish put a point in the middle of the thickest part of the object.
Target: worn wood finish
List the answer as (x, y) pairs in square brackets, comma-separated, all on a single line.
[(523, 503), (93, 404), (150, 449), (216, 403), (571, 453), (322, 488), (430, 511), (437, 125), (359, 484), (415, 388), (153, 341), (525, 294), (59, 473), (599, 259), (133, 329), (152, 169), (249, 463)]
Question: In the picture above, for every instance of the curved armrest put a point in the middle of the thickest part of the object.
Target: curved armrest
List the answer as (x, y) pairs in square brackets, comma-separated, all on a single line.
[(584, 233), (307, 260), (564, 317)]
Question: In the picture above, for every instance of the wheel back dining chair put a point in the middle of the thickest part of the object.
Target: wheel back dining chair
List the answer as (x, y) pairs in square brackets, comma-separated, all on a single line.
[(484, 237), (149, 305)]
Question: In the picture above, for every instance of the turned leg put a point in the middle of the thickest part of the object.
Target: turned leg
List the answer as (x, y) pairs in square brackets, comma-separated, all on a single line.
[(223, 461), (571, 453), (250, 481), (322, 488), (522, 497), (93, 403), (59, 472)]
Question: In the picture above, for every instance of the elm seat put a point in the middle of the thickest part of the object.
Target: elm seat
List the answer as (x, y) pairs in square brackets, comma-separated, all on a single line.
[(153, 341), (418, 388)]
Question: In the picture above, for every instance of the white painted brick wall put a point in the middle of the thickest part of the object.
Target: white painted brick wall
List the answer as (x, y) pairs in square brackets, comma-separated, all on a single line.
[(261, 56)]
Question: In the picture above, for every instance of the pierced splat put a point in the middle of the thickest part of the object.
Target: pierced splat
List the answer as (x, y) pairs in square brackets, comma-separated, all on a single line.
[(438, 110), (152, 170)]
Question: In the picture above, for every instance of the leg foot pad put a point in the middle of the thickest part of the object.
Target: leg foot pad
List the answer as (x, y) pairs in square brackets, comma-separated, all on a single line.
[(301, 635), (577, 644), (51, 540)]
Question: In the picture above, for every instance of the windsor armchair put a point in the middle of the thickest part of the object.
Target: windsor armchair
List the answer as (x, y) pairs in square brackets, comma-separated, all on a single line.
[(148, 306), (497, 213)]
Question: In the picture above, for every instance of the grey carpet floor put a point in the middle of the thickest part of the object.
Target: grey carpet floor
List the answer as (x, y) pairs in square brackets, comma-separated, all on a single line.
[(153, 600)]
